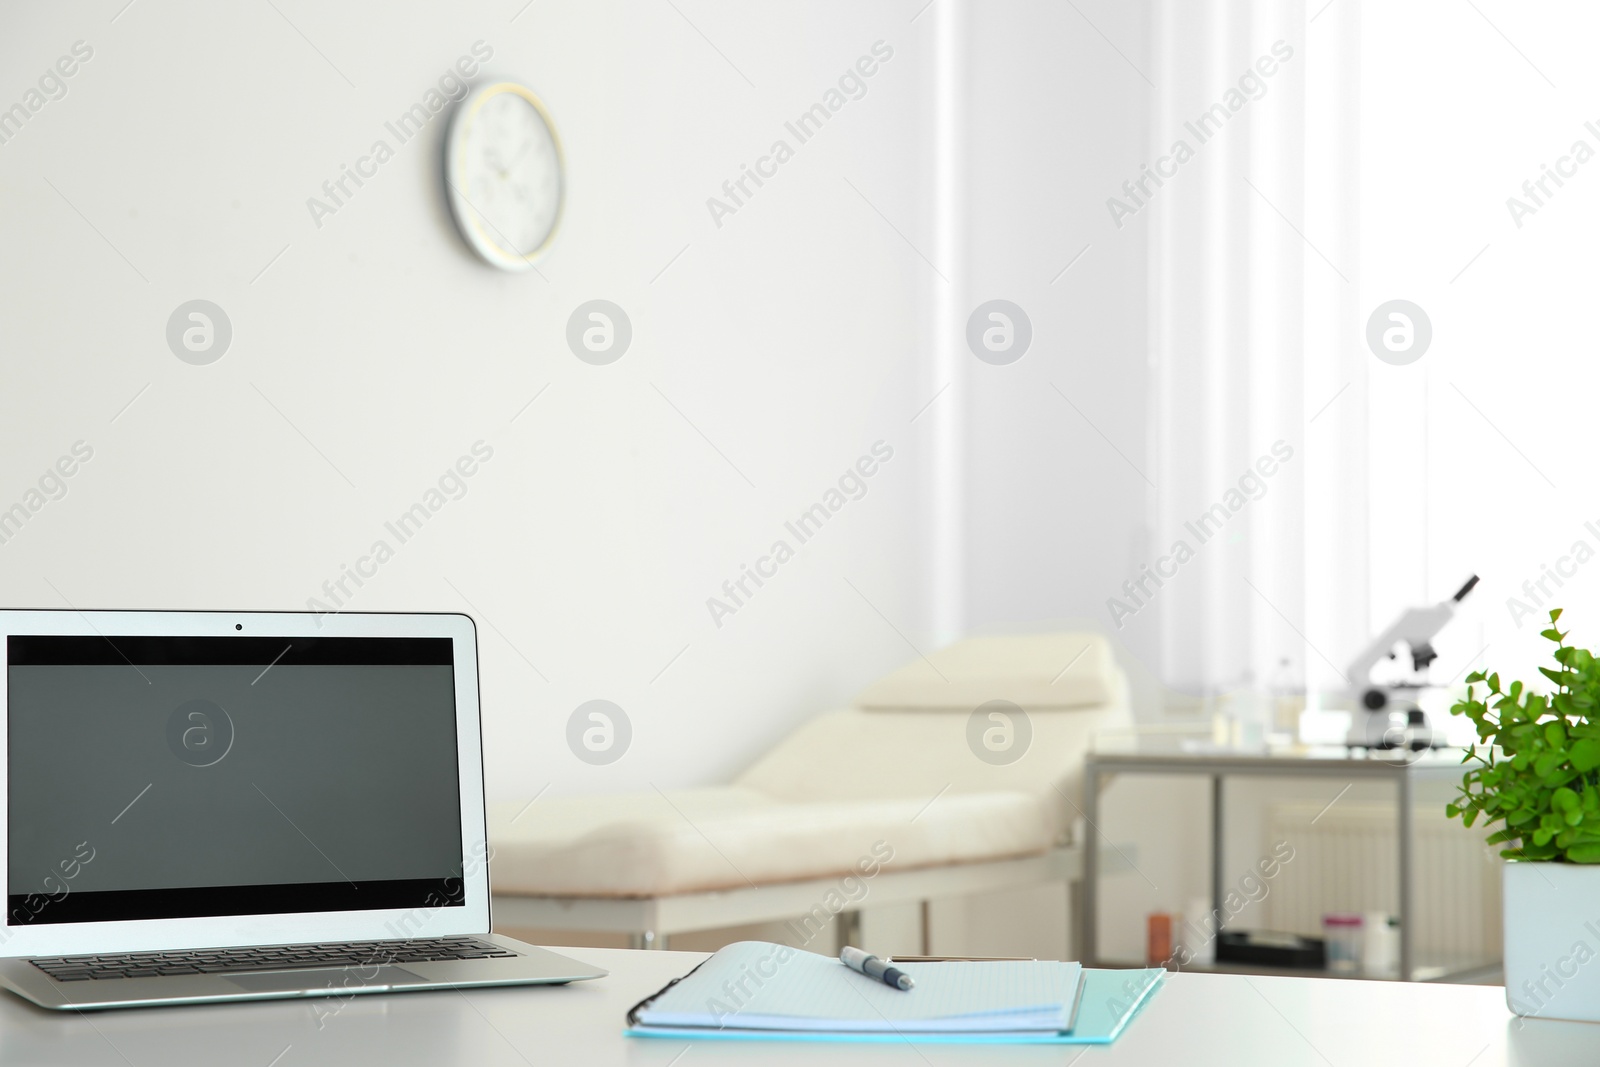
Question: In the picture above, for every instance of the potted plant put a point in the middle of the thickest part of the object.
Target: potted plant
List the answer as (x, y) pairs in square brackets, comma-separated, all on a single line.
[(1536, 773)]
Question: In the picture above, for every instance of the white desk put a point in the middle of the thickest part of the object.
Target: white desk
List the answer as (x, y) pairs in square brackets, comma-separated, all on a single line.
[(1196, 1020)]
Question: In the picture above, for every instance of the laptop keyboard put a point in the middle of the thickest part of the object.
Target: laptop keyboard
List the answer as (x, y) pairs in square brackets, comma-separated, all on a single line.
[(269, 958)]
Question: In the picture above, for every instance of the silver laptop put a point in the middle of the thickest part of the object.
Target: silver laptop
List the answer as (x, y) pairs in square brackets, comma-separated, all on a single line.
[(202, 806)]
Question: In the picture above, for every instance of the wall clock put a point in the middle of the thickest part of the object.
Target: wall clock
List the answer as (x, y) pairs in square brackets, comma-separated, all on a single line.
[(504, 175)]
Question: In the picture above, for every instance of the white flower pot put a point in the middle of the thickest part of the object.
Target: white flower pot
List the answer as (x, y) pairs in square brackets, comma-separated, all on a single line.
[(1552, 940)]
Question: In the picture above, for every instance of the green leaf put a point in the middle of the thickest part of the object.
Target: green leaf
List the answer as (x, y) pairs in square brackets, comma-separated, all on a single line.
[(1555, 734), (1494, 682), (1552, 634), (1584, 853), (1585, 755), (1555, 613)]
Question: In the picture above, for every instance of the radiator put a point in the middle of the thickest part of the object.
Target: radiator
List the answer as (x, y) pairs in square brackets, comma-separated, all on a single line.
[(1348, 861)]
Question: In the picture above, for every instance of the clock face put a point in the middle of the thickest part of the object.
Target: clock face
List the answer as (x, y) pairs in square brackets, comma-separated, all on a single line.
[(504, 170)]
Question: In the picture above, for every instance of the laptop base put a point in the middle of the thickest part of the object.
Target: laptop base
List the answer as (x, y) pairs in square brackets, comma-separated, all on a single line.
[(529, 966)]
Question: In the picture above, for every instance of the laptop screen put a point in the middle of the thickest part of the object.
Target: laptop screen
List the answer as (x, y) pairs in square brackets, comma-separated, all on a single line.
[(175, 777)]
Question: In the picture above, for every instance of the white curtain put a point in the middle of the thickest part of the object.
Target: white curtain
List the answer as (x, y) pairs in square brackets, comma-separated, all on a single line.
[(1258, 424)]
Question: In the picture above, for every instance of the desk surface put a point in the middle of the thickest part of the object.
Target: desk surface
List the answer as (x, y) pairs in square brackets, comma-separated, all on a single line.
[(1196, 1019)]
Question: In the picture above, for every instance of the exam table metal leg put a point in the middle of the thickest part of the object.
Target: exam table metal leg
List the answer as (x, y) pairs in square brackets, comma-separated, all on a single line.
[(1088, 895), (847, 929), (1217, 813), (1407, 884)]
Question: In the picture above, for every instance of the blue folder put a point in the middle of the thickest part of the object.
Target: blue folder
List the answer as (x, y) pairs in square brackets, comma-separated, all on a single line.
[(1108, 1001)]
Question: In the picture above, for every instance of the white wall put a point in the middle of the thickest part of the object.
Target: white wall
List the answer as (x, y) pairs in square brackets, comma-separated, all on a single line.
[(1057, 121), (1054, 120), (792, 337)]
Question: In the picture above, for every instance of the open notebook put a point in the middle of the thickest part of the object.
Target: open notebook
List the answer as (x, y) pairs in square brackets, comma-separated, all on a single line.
[(758, 989)]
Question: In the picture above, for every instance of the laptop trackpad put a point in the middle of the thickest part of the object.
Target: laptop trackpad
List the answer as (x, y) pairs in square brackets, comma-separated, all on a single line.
[(333, 979)]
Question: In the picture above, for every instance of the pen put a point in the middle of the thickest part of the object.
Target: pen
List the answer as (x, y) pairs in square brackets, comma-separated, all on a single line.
[(873, 967)]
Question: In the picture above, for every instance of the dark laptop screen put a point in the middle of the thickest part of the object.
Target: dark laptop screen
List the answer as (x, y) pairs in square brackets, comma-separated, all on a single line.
[(170, 777)]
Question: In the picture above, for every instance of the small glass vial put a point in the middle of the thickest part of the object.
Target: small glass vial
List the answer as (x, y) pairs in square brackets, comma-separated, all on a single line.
[(1342, 932)]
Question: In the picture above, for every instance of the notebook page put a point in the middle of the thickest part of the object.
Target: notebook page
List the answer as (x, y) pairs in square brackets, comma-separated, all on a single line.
[(1111, 999), (754, 984)]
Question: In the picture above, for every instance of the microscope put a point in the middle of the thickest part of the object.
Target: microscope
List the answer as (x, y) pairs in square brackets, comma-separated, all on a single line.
[(1387, 714)]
